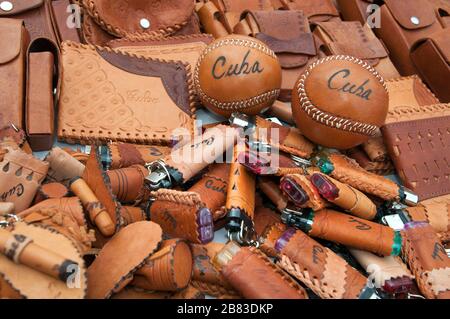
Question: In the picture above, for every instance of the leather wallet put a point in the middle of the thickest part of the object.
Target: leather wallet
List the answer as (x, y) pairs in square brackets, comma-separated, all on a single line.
[(39, 108), (144, 18), (402, 24), (286, 33), (314, 10), (109, 95), (61, 15), (21, 174), (14, 43), (354, 39), (431, 57), (420, 151)]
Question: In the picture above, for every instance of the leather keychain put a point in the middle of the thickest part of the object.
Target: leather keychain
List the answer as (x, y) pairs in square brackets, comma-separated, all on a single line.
[(273, 192), (347, 230), (349, 172), (300, 191)]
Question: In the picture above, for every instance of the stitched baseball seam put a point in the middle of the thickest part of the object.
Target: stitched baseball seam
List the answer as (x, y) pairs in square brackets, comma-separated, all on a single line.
[(329, 119), (235, 105)]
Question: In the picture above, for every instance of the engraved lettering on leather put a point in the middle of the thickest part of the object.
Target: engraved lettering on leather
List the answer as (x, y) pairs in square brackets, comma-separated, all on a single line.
[(361, 225), (348, 87), (221, 69)]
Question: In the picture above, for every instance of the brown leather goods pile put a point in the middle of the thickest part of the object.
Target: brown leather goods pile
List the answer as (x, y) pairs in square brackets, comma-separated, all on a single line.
[(257, 149)]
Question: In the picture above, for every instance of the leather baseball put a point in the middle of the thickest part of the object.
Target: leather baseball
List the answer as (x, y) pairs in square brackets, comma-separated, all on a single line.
[(237, 74), (340, 102)]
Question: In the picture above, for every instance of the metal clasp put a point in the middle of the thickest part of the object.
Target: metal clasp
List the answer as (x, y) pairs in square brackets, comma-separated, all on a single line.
[(159, 176), (8, 220)]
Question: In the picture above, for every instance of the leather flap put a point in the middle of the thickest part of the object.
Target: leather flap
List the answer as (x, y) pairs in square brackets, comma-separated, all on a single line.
[(20, 6), (240, 6), (313, 8), (10, 39), (302, 44), (441, 40), (407, 11)]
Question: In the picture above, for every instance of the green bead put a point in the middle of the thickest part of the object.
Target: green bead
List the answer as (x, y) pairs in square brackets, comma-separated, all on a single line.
[(326, 167), (397, 245)]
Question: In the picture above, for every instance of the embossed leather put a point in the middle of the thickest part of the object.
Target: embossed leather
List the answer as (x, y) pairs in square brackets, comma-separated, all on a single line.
[(420, 151), (106, 95), (14, 43), (315, 10)]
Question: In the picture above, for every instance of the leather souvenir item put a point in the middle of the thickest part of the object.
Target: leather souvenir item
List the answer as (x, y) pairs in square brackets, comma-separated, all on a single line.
[(375, 149), (402, 24), (182, 215), (420, 152), (119, 259), (254, 276), (93, 34), (354, 39), (168, 269), (431, 58), (314, 10), (44, 286), (125, 155), (128, 184), (209, 15), (206, 277), (50, 190), (320, 269), (212, 189), (62, 166), (145, 18), (385, 271), (442, 9), (12, 134), (282, 111), (339, 102), (21, 174), (286, 33), (427, 260), (131, 214), (61, 18), (269, 238), (354, 232), (264, 217), (37, 17), (312, 199), (39, 115), (355, 10), (6, 208), (14, 42), (436, 212), (379, 168), (273, 192), (105, 96), (348, 198)]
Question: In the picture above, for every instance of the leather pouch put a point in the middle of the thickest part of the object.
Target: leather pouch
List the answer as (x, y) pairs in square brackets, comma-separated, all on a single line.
[(427, 260), (39, 113), (119, 259), (286, 33), (109, 95), (354, 39), (61, 17), (402, 24), (420, 152), (431, 57), (355, 10), (14, 43), (125, 155), (21, 174), (314, 10), (140, 17), (168, 269)]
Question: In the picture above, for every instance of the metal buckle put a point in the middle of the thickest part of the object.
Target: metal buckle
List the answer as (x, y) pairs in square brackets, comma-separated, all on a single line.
[(159, 176)]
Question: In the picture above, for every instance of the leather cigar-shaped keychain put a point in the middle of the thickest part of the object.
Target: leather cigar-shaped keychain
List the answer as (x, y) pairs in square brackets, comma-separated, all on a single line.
[(240, 204), (427, 259), (348, 230), (187, 161), (344, 196), (273, 192), (319, 268), (301, 192), (182, 215), (349, 172), (254, 276), (122, 155), (128, 184), (284, 138), (22, 250), (63, 167)]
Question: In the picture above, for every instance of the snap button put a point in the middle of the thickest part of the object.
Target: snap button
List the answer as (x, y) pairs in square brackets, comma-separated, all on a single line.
[(415, 20), (145, 23), (6, 6)]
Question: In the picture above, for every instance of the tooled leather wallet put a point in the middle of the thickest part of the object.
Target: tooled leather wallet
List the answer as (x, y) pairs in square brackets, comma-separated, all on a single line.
[(107, 95)]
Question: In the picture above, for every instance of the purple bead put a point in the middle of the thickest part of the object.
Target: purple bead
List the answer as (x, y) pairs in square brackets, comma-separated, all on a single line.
[(206, 234), (204, 217), (284, 239), (411, 225)]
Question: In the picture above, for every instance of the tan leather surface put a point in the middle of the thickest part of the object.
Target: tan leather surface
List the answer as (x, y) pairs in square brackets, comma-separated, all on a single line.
[(21, 174), (208, 15), (315, 201), (379, 168), (253, 83), (122, 18), (264, 217), (320, 269), (62, 166), (125, 155), (241, 186), (354, 10), (269, 238), (254, 276), (121, 257), (272, 190), (128, 183), (375, 149), (117, 91), (51, 190), (12, 67), (324, 84), (131, 214), (45, 286), (93, 34), (353, 231), (315, 10), (425, 256)]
